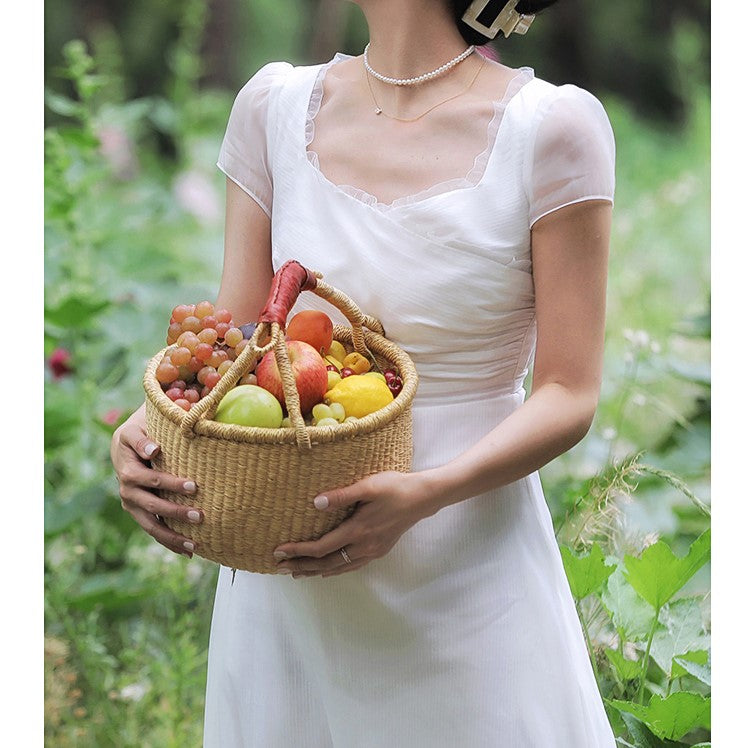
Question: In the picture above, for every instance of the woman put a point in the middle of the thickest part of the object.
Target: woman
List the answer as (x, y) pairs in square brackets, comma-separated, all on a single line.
[(470, 212)]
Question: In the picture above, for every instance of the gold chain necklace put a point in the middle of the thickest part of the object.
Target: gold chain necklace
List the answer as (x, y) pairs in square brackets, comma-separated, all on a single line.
[(378, 108)]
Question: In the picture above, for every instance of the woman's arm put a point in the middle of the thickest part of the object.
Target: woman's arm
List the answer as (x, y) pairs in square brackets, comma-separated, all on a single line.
[(570, 258), (248, 267)]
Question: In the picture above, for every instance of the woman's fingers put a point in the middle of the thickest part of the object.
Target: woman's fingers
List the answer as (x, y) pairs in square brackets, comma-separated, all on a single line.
[(161, 533), (353, 566), (139, 442), (341, 536), (136, 496), (328, 563)]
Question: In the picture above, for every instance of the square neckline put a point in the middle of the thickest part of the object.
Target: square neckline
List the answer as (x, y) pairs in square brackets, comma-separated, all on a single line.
[(470, 181)]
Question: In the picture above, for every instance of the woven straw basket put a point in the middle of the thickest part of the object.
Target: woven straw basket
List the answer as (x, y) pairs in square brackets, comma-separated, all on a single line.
[(256, 485)]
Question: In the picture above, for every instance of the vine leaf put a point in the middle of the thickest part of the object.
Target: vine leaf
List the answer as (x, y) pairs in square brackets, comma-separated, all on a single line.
[(632, 616), (696, 664), (670, 718), (682, 631), (627, 669), (658, 574), (586, 574)]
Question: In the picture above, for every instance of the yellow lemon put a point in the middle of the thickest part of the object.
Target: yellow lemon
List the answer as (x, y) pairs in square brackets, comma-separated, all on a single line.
[(360, 395)]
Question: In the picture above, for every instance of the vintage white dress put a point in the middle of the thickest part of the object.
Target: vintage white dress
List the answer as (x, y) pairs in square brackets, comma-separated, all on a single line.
[(466, 633)]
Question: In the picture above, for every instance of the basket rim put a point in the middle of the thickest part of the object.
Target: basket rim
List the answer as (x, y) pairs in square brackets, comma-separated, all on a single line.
[(318, 434)]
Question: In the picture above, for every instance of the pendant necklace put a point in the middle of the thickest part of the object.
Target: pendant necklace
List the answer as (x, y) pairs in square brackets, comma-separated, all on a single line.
[(378, 108)]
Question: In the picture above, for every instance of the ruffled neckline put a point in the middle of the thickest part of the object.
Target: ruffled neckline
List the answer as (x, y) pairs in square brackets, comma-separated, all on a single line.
[(470, 180)]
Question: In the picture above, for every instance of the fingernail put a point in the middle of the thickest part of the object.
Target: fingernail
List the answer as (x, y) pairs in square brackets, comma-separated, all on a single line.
[(149, 449), (193, 516), (280, 554), (321, 502), (189, 486), (188, 546), (187, 555), (284, 570)]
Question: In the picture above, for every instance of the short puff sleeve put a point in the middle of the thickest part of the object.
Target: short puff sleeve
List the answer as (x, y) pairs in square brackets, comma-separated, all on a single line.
[(572, 152), (244, 151)]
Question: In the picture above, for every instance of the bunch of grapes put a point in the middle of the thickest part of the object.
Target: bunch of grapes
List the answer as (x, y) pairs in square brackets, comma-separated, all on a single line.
[(206, 343)]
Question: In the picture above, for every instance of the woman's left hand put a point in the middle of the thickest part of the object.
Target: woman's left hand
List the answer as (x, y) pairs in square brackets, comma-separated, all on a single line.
[(388, 504)]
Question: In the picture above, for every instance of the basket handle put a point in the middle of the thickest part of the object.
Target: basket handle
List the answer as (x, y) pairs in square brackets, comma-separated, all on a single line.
[(291, 279)]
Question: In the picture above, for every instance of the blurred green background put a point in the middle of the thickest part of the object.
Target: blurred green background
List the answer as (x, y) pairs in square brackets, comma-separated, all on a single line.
[(135, 113)]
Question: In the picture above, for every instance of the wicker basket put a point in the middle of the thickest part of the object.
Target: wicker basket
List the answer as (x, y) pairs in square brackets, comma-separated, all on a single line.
[(256, 485)]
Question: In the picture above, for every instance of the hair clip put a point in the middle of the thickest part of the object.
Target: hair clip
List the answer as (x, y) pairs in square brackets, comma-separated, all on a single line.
[(508, 20)]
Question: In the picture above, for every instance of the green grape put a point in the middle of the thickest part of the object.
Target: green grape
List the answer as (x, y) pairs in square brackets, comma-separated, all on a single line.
[(320, 411), (327, 422), (337, 411)]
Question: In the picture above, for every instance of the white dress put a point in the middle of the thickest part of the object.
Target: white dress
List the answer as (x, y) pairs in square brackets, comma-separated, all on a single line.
[(466, 633)]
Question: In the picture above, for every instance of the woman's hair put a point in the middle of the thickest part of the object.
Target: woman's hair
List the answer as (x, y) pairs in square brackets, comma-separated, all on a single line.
[(492, 10)]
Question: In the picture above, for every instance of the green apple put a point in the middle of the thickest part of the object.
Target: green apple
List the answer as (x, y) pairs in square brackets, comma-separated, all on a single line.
[(250, 405)]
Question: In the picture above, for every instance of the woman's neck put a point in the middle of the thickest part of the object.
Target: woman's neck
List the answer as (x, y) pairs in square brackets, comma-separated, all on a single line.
[(410, 37)]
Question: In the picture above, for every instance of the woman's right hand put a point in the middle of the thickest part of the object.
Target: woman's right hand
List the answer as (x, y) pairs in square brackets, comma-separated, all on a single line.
[(131, 451)]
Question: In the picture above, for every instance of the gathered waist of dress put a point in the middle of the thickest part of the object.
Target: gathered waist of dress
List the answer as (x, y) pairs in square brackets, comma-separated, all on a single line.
[(437, 394)]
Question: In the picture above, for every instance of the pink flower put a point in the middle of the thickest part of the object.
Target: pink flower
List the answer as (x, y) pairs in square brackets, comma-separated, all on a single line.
[(59, 362), (118, 150), (196, 195), (112, 416)]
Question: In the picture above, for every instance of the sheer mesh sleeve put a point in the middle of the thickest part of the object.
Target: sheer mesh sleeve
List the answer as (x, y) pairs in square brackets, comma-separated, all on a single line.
[(572, 153), (244, 153)]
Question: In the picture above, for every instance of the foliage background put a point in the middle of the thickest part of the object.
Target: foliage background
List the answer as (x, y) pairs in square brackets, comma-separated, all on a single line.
[(133, 209)]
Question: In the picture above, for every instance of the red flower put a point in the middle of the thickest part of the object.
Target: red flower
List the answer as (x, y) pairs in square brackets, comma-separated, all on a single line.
[(112, 416), (59, 362)]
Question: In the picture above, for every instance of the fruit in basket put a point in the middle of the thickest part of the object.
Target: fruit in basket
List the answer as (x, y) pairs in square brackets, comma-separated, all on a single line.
[(346, 372), (333, 378), (376, 374), (360, 395), (248, 329), (313, 327), (334, 362), (327, 422), (309, 371), (250, 405), (337, 411), (320, 411), (357, 363), (337, 350), (395, 385)]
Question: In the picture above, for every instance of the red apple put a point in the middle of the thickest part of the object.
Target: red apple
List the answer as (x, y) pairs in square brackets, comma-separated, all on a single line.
[(309, 370)]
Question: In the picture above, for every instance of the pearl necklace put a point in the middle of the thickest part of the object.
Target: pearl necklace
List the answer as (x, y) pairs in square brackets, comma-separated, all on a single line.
[(419, 78)]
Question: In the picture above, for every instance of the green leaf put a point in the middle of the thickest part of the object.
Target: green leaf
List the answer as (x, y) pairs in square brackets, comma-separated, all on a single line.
[(658, 574), (696, 664), (682, 631), (627, 669), (75, 311), (670, 718), (61, 419), (643, 737), (631, 615), (62, 104), (586, 574), (58, 516)]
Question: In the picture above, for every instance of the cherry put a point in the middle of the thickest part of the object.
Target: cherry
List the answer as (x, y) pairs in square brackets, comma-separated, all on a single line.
[(395, 384), (346, 372)]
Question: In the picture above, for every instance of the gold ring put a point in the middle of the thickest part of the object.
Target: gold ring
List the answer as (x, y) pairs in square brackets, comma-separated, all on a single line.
[(345, 555)]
